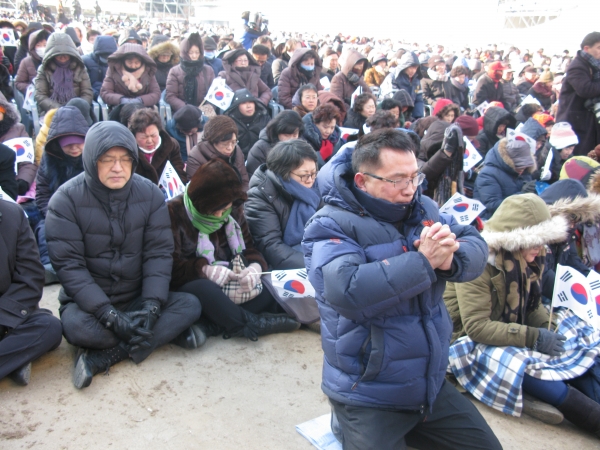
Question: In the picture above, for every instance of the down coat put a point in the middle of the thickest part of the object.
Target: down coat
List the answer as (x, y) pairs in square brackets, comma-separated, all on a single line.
[(204, 151), (114, 88), (61, 44), (168, 151), (259, 152), (385, 330), (398, 79), (11, 128), (498, 179), (109, 246), (176, 78), (249, 128), (162, 44), (292, 78), (29, 65), (493, 118), (341, 86), (248, 78), (103, 47)]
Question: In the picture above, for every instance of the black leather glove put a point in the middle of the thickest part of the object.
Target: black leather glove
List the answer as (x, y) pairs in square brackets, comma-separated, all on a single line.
[(453, 139), (148, 315), (126, 328), (550, 343)]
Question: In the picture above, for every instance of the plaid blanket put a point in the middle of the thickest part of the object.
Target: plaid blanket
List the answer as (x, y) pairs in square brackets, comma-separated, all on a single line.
[(494, 375)]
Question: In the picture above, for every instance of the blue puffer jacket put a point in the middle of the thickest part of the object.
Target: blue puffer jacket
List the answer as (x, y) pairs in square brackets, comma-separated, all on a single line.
[(411, 85), (103, 46), (384, 327), (498, 179)]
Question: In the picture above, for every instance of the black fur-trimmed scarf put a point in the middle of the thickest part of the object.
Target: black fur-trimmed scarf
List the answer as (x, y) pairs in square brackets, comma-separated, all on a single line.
[(190, 88)]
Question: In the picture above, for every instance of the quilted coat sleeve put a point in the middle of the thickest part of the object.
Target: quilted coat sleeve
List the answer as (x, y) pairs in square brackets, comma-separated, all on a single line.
[(284, 93), (172, 89)]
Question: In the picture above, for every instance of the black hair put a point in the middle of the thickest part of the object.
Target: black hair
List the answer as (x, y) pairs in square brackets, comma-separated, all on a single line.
[(288, 155), (307, 87), (286, 122), (382, 119), (590, 39), (390, 103), (361, 100), (368, 148), (260, 49)]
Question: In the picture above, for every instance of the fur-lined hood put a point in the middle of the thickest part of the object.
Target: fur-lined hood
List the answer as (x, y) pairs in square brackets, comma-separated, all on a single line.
[(506, 159), (580, 209), (164, 47), (524, 221)]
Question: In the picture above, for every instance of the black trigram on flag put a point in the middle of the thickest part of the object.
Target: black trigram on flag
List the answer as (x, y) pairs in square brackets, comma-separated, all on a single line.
[(457, 200), (563, 297), (566, 276), (287, 294), (475, 207), (595, 285), (590, 314), (302, 274), (280, 276), (464, 218)]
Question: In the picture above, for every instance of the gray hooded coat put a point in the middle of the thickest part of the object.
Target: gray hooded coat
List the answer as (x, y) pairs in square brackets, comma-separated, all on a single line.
[(109, 246)]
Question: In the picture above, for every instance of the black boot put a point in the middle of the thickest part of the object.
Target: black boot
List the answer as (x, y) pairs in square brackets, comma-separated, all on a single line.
[(196, 335), (22, 375), (581, 410), (263, 324), (89, 362)]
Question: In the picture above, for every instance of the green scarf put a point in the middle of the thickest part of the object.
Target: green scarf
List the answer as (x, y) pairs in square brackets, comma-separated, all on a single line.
[(204, 223)]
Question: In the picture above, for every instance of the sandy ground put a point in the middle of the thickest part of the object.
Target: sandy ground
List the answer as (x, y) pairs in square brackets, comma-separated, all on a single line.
[(232, 394)]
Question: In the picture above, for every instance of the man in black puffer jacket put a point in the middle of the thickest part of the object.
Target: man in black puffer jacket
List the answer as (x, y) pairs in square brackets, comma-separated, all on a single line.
[(250, 117), (110, 241)]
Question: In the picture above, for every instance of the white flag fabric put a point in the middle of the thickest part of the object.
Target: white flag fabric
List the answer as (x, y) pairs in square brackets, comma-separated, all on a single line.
[(465, 210), (8, 37), (219, 94), (481, 108), (594, 281), (5, 196), (23, 147), (170, 181), (513, 135), (355, 94), (572, 290), (546, 173), (292, 283), (471, 156), (346, 132), (29, 101), (325, 83), (530, 99)]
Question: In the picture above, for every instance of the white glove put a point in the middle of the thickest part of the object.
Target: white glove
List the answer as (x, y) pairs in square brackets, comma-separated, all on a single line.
[(249, 277), (219, 274)]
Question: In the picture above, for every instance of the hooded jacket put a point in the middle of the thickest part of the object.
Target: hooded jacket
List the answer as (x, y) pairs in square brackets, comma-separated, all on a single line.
[(168, 151), (312, 135), (130, 34), (205, 151), (535, 130), (328, 97), (60, 44), (259, 152), (570, 200), (433, 90), (29, 65), (109, 246), (114, 88), (267, 213), (176, 78), (249, 128), (498, 179), (486, 90), (11, 128), (341, 85), (104, 46), (23, 49), (162, 44), (494, 116), (367, 308), (399, 80), (579, 86), (56, 167), (248, 78), (476, 307), (292, 78)]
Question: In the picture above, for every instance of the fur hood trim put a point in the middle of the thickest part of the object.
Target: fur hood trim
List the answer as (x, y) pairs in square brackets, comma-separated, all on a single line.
[(164, 47), (582, 209), (594, 183), (547, 232), (507, 159)]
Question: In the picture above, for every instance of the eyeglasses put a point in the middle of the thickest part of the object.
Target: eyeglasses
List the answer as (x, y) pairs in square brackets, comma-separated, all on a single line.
[(110, 161), (227, 144), (306, 177), (403, 182)]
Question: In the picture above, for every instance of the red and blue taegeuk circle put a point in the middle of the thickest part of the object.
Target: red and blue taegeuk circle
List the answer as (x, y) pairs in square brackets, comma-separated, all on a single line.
[(579, 294), (598, 304), (466, 155), (294, 286), (219, 95), (20, 150), (461, 207)]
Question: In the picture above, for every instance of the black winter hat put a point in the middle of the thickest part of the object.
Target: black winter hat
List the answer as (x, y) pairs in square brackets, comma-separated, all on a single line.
[(188, 117)]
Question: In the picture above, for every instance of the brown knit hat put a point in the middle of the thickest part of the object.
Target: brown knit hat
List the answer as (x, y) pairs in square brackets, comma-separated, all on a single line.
[(214, 185), (546, 77), (217, 128)]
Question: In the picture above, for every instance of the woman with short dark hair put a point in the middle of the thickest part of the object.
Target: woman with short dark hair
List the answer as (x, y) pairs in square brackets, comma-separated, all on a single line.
[(285, 126), (155, 146), (459, 89), (281, 199), (306, 99), (322, 132), (364, 107), (382, 119)]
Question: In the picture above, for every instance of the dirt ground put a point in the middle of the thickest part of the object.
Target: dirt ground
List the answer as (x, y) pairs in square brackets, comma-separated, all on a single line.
[(232, 394)]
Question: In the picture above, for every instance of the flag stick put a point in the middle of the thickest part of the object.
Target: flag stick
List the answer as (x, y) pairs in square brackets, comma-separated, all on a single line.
[(550, 321)]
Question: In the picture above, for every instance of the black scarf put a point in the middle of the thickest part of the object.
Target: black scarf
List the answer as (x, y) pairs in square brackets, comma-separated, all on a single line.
[(382, 210), (190, 89)]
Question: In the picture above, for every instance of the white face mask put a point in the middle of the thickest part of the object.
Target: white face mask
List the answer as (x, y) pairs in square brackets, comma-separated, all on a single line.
[(154, 149), (40, 51)]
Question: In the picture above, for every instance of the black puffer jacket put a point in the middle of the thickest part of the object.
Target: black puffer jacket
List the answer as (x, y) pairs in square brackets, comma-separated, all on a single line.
[(259, 152), (267, 213), (56, 167), (494, 117), (249, 128), (109, 246)]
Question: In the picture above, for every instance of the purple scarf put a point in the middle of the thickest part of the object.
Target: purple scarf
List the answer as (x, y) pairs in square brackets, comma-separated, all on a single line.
[(62, 83)]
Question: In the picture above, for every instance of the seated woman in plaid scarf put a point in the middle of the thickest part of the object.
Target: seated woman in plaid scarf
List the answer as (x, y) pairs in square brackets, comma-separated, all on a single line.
[(507, 326)]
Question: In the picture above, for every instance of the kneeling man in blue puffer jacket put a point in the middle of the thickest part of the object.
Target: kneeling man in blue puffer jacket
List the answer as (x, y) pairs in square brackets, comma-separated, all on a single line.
[(379, 255)]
